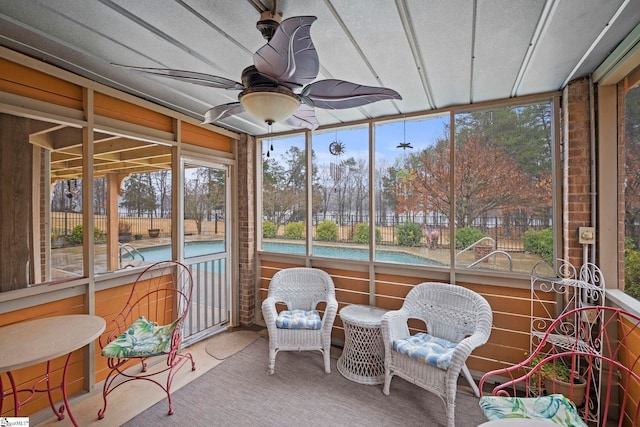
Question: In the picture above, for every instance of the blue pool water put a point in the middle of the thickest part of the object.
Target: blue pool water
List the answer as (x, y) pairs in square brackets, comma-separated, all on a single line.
[(361, 254), (161, 253)]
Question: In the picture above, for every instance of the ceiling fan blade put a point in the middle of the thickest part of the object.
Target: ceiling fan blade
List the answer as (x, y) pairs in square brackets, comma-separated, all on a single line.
[(304, 117), (338, 94), (220, 112), (189, 76), (290, 56)]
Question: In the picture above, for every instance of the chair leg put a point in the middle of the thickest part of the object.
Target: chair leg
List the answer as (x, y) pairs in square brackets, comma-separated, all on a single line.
[(469, 378), (451, 412), (113, 373), (176, 364), (272, 361), (327, 360), (387, 382)]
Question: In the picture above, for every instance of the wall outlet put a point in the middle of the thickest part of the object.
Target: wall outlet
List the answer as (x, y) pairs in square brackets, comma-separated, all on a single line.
[(586, 235)]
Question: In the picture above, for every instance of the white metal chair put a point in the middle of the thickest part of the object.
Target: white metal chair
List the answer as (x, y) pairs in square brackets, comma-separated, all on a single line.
[(457, 321), (300, 326)]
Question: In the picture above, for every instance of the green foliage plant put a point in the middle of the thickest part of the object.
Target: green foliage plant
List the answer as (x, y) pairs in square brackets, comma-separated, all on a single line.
[(76, 235), (632, 273), (361, 233), (294, 230), (409, 234), (269, 229), (552, 370), (540, 242), (327, 231), (466, 236)]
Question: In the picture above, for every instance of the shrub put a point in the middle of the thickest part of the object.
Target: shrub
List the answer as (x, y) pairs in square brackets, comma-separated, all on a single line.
[(294, 230), (327, 231), (361, 233), (409, 234), (540, 242), (466, 236), (76, 235), (269, 229), (99, 236), (632, 273), (629, 244)]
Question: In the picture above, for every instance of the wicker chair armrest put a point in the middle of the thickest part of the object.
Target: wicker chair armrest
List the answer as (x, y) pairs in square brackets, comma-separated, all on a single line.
[(464, 349), (331, 310), (269, 312), (394, 325)]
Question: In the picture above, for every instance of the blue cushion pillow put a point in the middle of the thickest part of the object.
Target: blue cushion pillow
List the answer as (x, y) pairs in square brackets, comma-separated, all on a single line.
[(426, 348), (299, 319)]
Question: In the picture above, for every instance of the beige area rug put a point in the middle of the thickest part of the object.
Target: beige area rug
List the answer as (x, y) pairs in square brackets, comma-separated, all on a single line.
[(238, 393), (228, 343)]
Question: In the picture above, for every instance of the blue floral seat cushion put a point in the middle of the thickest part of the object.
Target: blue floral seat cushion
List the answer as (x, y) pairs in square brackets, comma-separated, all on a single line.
[(426, 348), (299, 319), (555, 408), (143, 338)]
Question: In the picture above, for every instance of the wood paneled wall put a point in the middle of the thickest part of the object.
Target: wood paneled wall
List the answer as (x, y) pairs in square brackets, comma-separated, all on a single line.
[(509, 341)]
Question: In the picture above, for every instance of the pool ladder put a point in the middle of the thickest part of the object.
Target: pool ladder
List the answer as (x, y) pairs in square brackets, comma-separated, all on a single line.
[(489, 255), (130, 251)]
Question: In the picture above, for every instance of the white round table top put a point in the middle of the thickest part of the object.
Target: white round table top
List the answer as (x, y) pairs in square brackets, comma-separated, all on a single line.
[(34, 341), (362, 315), (519, 422)]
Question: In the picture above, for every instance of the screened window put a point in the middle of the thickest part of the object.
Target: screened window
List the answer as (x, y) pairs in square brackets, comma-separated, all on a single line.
[(503, 188), (631, 188), (410, 192), (472, 187), (341, 193), (284, 223)]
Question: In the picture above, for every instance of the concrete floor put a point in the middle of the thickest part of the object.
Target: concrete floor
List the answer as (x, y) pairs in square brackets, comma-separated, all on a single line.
[(134, 397)]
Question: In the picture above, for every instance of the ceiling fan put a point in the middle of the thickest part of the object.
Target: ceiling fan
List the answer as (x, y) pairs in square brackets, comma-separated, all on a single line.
[(273, 88)]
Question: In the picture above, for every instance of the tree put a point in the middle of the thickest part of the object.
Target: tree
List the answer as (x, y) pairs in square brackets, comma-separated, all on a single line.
[(204, 193), (284, 181), (632, 162), (138, 195), (162, 183), (485, 179)]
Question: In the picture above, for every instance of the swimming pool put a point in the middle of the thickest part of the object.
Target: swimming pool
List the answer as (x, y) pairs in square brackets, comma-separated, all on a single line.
[(361, 254), (193, 249)]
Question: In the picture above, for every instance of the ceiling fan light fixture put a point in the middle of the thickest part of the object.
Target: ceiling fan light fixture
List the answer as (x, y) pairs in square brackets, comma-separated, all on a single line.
[(269, 104)]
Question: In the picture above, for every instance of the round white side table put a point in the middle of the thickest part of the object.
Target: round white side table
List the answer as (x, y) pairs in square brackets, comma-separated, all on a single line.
[(362, 358)]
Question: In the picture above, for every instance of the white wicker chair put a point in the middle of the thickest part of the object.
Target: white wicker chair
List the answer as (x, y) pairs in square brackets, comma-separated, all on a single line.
[(450, 312), (300, 289)]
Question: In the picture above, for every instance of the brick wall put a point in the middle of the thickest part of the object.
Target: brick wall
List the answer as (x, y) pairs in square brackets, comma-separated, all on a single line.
[(246, 228), (576, 167)]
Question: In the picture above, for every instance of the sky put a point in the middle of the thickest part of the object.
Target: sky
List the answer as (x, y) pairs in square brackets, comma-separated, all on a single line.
[(420, 133)]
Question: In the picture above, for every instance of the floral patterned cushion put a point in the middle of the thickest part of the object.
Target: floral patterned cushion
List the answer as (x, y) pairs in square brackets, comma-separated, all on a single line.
[(299, 319), (555, 407), (426, 348), (143, 338)]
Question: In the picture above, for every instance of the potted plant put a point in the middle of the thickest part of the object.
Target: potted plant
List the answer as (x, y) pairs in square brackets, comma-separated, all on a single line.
[(153, 232), (124, 232), (557, 377)]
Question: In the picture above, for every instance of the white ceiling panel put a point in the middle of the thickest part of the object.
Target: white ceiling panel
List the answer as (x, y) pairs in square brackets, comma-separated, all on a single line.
[(573, 26), (444, 31), (504, 30)]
